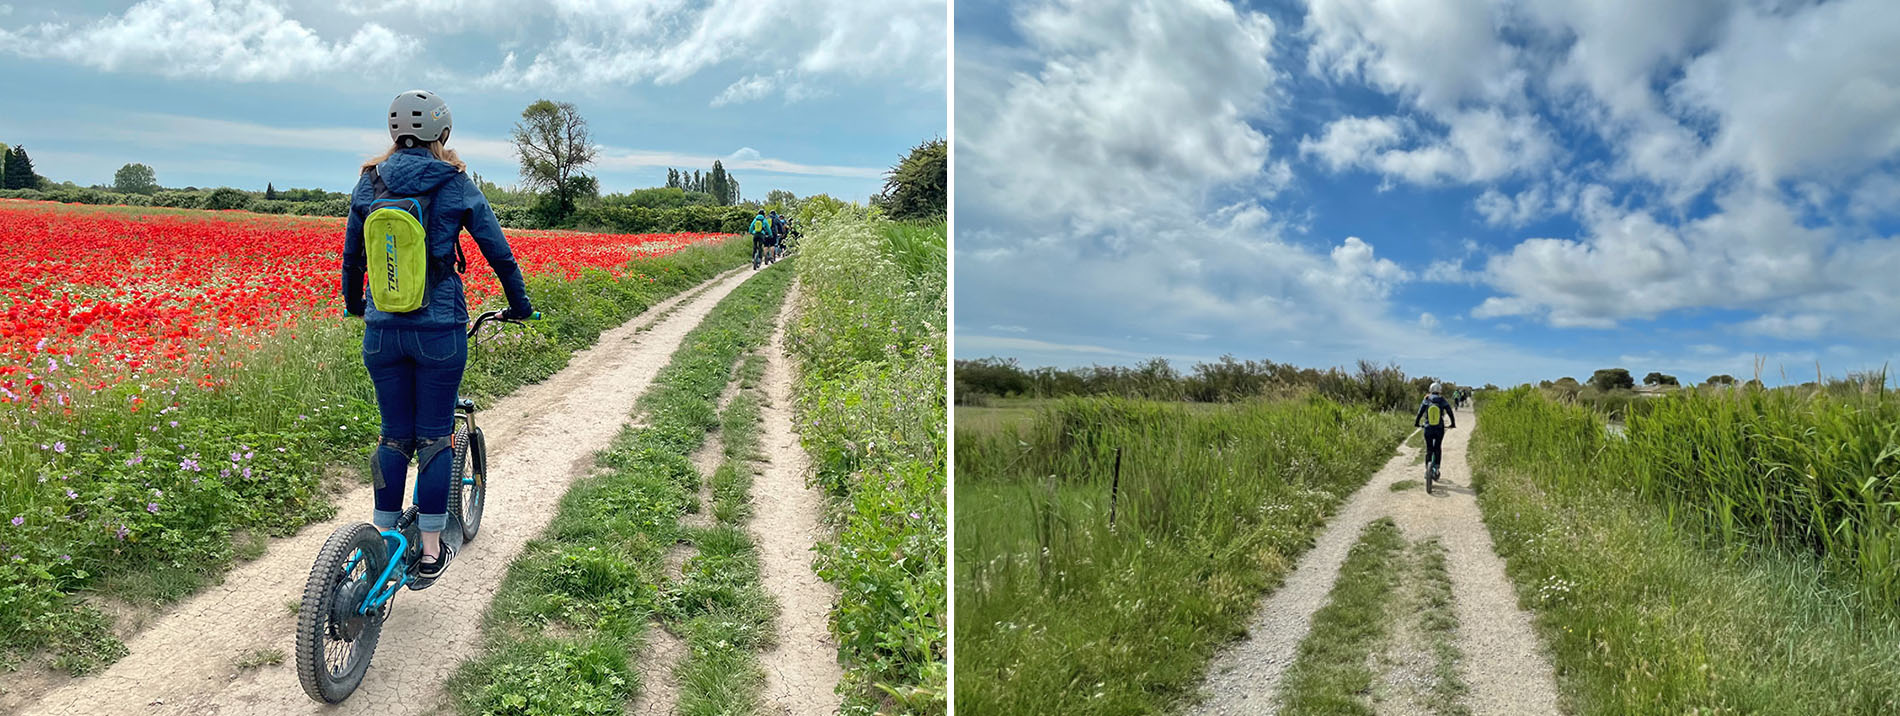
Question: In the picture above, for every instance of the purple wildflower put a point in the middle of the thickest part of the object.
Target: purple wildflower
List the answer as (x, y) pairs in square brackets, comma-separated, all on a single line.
[(60, 447), (122, 533), (70, 495), (17, 521), (151, 507)]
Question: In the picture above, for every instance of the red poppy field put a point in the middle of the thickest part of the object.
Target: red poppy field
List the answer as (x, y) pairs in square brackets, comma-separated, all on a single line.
[(141, 348), (90, 297)]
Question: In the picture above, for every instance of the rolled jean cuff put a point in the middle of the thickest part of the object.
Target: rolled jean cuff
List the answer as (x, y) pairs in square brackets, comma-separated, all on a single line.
[(432, 523), (384, 519)]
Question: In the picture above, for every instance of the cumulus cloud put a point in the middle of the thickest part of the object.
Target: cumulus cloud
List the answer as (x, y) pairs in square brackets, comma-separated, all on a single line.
[(1630, 264), (622, 42), (1479, 145), (241, 40)]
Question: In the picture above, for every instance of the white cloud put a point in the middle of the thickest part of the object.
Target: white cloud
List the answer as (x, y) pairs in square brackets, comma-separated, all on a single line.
[(746, 89), (240, 40), (1437, 53), (1353, 141), (625, 42), (1752, 252), (1812, 90), (1480, 145), (1500, 209), (1427, 321)]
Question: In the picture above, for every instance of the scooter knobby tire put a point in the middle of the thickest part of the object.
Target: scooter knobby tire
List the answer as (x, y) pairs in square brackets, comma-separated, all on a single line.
[(471, 460), (316, 627)]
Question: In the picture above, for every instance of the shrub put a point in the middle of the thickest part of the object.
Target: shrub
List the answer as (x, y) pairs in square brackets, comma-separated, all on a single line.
[(225, 198)]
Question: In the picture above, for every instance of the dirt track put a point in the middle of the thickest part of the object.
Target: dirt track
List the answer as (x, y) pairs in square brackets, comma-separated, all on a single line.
[(540, 439), (1505, 665), (801, 670)]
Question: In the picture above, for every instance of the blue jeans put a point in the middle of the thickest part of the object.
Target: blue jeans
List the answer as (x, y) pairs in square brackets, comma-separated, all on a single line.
[(417, 374), (1434, 444)]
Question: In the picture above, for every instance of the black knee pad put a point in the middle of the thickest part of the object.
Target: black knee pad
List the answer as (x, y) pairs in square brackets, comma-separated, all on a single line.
[(406, 448), (427, 449)]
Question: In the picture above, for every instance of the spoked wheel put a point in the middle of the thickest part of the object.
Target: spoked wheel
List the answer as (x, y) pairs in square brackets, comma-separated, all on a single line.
[(468, 479), (1431, 477), (334, 642)]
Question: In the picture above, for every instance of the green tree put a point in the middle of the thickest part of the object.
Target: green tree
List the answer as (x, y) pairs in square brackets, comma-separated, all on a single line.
[(1609, 379), (19, 170), (716, 184), (554, 146), (919, 186), (270, 191), (135, 179), (227, 198), (1721, 379), (4, 152)]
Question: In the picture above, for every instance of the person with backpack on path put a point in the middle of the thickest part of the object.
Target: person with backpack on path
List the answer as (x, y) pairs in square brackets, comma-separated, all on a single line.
[(778, 234), (761, 238), (407, 214), (1434, 416)]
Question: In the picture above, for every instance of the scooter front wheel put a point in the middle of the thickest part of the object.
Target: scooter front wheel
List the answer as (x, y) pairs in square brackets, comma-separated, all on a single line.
[(335, 641)]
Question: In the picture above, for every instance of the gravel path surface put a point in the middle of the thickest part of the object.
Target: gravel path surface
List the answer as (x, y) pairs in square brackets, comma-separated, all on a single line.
[(801, 670), (540, 439), (1504, 663)]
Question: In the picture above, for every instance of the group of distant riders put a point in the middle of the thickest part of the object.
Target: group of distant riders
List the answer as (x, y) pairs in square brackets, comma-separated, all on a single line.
[(772, 236)]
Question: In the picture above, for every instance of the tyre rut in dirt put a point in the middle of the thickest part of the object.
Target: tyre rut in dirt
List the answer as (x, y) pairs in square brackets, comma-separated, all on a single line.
[(334, 645)]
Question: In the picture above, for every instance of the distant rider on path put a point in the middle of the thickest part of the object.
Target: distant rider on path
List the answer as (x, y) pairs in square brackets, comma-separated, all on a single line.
[(761, 238), (1434, 416)]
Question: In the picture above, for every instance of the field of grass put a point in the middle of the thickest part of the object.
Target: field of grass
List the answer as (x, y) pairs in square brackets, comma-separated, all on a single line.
[(1058, 612), (577, 602), (869, 339), (141, 491), (1649, 599)]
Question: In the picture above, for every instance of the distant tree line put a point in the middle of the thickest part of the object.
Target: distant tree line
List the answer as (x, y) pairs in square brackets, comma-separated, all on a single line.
[(1228, 379), (555, 149)]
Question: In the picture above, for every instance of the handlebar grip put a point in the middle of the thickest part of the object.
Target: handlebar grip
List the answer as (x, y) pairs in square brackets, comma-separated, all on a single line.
[(535, 317)]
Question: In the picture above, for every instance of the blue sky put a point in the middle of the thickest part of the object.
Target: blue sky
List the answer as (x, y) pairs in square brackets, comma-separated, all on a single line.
[(1481, 190), (805, 95)]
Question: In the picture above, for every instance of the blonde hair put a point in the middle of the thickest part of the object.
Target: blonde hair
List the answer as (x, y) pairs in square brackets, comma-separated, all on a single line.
[(436, 148)]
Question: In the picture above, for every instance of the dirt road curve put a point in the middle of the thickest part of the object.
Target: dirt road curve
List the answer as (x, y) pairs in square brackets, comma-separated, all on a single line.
[(540, 439), (1504, 663)]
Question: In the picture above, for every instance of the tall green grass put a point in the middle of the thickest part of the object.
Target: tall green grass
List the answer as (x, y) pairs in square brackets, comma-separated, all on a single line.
[(1649, 600), (1058, 612), (869, 337), (1814, 472)]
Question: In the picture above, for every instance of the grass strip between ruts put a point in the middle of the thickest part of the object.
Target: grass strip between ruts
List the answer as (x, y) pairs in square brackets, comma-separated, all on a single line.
[(577, 601)]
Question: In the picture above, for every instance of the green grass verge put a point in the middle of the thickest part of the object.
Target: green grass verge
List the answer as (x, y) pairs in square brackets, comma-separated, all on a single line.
[(1059, 613), (1431, 589), (1330, 672), (1645, 614), (869, 339), (143, 506), (579, 598), (721, 673)]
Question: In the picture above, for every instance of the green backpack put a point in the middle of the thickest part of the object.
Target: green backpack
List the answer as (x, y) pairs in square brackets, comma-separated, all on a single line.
[(1433, 415), (398, 248)]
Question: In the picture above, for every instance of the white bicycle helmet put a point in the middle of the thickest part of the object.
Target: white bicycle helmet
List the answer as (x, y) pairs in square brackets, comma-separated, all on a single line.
[(420, 114), (1436, 388)]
